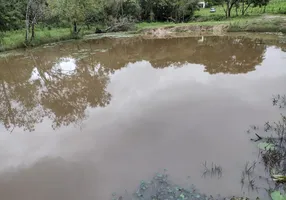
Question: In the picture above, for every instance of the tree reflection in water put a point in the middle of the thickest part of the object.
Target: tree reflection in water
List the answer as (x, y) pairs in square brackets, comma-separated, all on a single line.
[(61, 90), (62, 81)]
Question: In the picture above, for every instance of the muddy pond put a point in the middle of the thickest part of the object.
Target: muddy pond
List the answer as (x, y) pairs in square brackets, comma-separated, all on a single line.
[(81, 120)]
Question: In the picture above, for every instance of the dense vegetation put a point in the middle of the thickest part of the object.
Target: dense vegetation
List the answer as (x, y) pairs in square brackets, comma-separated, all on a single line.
[(32, 22), (241, 9), (27, 13)]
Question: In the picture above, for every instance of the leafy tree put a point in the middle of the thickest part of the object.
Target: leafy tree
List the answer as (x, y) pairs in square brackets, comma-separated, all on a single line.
[(227, 5), (245, 4), (261, 3), (34, 11), (147, 9), (75, 11), (11, 14), (171, 10)]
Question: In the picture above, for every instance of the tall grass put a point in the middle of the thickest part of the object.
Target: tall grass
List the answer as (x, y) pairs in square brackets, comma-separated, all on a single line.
[(16, 39), (258, 25), (144, 25), (274, 7)]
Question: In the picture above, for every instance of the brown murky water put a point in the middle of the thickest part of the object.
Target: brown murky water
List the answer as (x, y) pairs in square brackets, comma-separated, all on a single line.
[(84, 119)]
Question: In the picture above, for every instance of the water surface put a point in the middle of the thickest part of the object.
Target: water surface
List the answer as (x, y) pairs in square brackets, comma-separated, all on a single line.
[(80, 120)]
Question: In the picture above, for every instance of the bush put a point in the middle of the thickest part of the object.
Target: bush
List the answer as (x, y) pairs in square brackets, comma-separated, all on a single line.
[(122, 9), (199, 18), (175, 10), (96, 16), (122, 24)]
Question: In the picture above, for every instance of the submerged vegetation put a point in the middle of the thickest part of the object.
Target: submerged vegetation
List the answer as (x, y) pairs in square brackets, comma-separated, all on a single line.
[(161, 188), (271, 142)]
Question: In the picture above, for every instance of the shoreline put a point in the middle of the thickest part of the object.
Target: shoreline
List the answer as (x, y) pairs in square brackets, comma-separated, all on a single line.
[(274, 24)]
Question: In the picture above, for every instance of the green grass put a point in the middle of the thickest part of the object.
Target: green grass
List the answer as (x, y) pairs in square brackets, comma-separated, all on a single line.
[(240, 20), (144, 25), (274, 7), (16, 39), (254, 21), (264, 24)]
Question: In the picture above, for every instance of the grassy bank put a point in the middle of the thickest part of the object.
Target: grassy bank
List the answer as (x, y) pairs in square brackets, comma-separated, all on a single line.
[(274, 7), (263, 23), (268, 23), (253, 23), (16, 39)]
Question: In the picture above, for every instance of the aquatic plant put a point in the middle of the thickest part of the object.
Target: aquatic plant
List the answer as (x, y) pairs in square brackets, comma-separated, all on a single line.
[(214, 170), (161, 188), (272, 149)]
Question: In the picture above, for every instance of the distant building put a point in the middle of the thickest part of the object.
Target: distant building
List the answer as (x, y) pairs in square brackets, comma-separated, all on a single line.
[(202, 4)]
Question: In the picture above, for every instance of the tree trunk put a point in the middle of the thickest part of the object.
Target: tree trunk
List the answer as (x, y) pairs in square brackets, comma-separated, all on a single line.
[(228, 13), (75, 27), (33, 31), (122, 9), (242, 8), (222, 5), (227, 10), (230, 4), (27, 23), (27, 32)]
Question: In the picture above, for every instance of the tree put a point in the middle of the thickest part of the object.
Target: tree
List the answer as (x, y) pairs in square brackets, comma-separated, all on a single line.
[(11, 14), (34, 10), (168, 10), (261, 3), (75, 11), (245, 4), (226, 4), (147, 12), (185, 10)]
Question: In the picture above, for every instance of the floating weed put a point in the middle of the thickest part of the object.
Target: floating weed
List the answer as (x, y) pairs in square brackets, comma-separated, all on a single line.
[(276, 195), (161, 188), (265, 146), (279, 100), (272, 149)]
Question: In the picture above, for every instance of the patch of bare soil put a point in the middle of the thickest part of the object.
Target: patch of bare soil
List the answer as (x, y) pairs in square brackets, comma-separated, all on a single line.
[(194, 30)]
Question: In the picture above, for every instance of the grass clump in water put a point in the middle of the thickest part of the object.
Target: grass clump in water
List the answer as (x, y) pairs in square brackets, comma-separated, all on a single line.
[(161, 188), (273, 147)]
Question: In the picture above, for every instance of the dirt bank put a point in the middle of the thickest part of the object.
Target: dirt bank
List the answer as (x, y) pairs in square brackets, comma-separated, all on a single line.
[(265, 24), (195, 30)]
